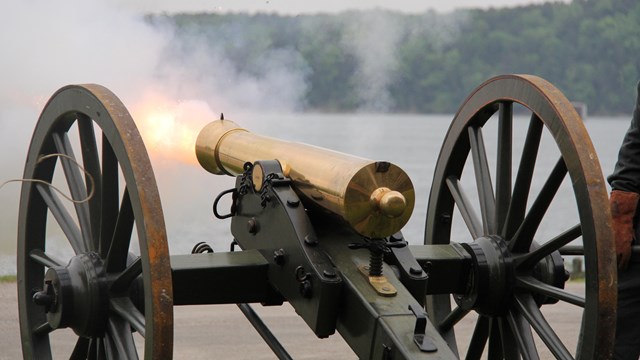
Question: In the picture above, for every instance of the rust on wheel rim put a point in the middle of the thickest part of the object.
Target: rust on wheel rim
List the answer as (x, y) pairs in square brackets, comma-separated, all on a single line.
[(502, 217), (101, 228)]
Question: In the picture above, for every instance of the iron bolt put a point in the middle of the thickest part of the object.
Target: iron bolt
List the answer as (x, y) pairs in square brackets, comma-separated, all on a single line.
[(445, 218), (278, 257), (305, 289), (252, 226), (311, 240), (415, 271), (329, 273), (45, 297), (41, 298), (301, 274), (428, 266)]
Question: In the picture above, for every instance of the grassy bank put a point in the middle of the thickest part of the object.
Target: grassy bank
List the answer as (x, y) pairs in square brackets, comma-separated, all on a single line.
[(7, 278)]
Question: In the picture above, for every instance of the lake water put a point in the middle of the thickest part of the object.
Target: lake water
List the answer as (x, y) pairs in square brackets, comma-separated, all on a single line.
[(411, 141)]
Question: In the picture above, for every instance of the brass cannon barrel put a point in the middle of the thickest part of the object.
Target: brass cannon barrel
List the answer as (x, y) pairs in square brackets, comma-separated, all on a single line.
[(375, 197)]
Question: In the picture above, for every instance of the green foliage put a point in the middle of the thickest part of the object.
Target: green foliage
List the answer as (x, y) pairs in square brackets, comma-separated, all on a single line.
[(590, 49), (7, 278)]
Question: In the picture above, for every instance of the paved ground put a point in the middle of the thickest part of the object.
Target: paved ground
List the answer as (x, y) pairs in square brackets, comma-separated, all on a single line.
[(221, 332)]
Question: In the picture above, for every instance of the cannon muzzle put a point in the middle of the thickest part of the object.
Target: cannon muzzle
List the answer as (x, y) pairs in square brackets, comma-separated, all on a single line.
[(375, 197)]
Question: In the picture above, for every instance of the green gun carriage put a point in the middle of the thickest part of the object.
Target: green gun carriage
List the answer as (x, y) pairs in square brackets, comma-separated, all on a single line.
[(322, 231)]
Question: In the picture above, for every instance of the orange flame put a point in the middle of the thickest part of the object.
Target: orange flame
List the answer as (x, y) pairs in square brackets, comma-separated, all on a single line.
[(170, 128)]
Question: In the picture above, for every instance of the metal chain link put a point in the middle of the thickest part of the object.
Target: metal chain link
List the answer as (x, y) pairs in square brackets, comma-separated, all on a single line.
[(245, 184)]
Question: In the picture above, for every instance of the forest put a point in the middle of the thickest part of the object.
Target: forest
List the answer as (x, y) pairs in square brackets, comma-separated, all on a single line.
[(383, 61)]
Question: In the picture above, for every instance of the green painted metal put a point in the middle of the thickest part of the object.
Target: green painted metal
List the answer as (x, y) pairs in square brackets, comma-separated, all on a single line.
[(371, 323), (240, 277), (303, 255), (448, 266)]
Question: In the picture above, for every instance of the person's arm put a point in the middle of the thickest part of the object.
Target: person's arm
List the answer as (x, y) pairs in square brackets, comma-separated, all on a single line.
[(625, 185)]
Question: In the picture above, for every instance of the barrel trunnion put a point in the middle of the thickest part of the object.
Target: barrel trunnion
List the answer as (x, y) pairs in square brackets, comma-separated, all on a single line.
[(322, 231)]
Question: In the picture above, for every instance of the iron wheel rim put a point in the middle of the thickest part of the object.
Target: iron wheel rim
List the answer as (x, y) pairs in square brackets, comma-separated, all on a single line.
[(551, 111), (117, 214)]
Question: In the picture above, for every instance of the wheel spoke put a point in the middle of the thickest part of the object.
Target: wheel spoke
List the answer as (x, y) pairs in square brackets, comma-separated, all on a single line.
[(101, 349), (42, 329), (524, 236), (464, 206), (518, 204), (508, 339), (119, 248), (532, 284), (503, 166), (124, 280), (42, 258), (483, 179), (77, 187), (528, 308), (62, 216), (110, 196), (495, 340), (576, 250), (91, 164), (523, 335), (109, 346), (119, 334), (529, 260), (452, 319), (81, 350), (93, 349), (125, 308), (479, 338)]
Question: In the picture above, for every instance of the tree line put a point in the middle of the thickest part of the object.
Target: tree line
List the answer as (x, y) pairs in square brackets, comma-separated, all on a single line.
[(428, 63)]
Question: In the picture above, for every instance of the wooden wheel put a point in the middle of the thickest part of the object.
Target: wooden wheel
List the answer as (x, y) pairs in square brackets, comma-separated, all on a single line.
[(518, 272), (112, 286)]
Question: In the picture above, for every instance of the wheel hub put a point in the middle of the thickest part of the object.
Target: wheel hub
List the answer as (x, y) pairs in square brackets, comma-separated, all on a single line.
[(491, 280), (493, 276), (551, 271), (76, 295)]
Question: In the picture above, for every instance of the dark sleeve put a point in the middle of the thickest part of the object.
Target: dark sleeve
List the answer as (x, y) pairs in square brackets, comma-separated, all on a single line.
[(626, 175)]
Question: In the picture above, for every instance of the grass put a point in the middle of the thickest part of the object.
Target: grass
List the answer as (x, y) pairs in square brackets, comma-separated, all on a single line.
[(7, 278)]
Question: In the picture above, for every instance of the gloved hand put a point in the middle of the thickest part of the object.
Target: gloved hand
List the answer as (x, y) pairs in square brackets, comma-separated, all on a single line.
[(623, 208)]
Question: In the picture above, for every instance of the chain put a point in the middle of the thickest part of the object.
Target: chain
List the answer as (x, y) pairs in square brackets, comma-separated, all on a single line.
[(245, 179), (245, 184), (264, 197)]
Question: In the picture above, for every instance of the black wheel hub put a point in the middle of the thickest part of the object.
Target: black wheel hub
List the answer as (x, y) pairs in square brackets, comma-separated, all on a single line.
[(491, 280), (493, 277), (76, 295)]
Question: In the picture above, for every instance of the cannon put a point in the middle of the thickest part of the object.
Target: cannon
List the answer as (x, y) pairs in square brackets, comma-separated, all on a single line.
[(322, 231)]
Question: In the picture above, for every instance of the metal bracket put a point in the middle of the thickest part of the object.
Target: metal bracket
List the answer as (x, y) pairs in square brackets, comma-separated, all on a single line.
[(419, 333), (379, 283), (411, 274), (270, 219)]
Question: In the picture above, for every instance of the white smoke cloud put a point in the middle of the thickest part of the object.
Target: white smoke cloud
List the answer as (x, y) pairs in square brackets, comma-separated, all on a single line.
[(48, 44), (373, 38)]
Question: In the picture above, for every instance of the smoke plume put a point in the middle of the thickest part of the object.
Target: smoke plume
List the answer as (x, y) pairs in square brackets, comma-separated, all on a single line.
[(47, 45)]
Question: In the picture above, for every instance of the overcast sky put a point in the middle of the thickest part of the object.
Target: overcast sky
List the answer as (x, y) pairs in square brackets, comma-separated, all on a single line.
[(305, 6)]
